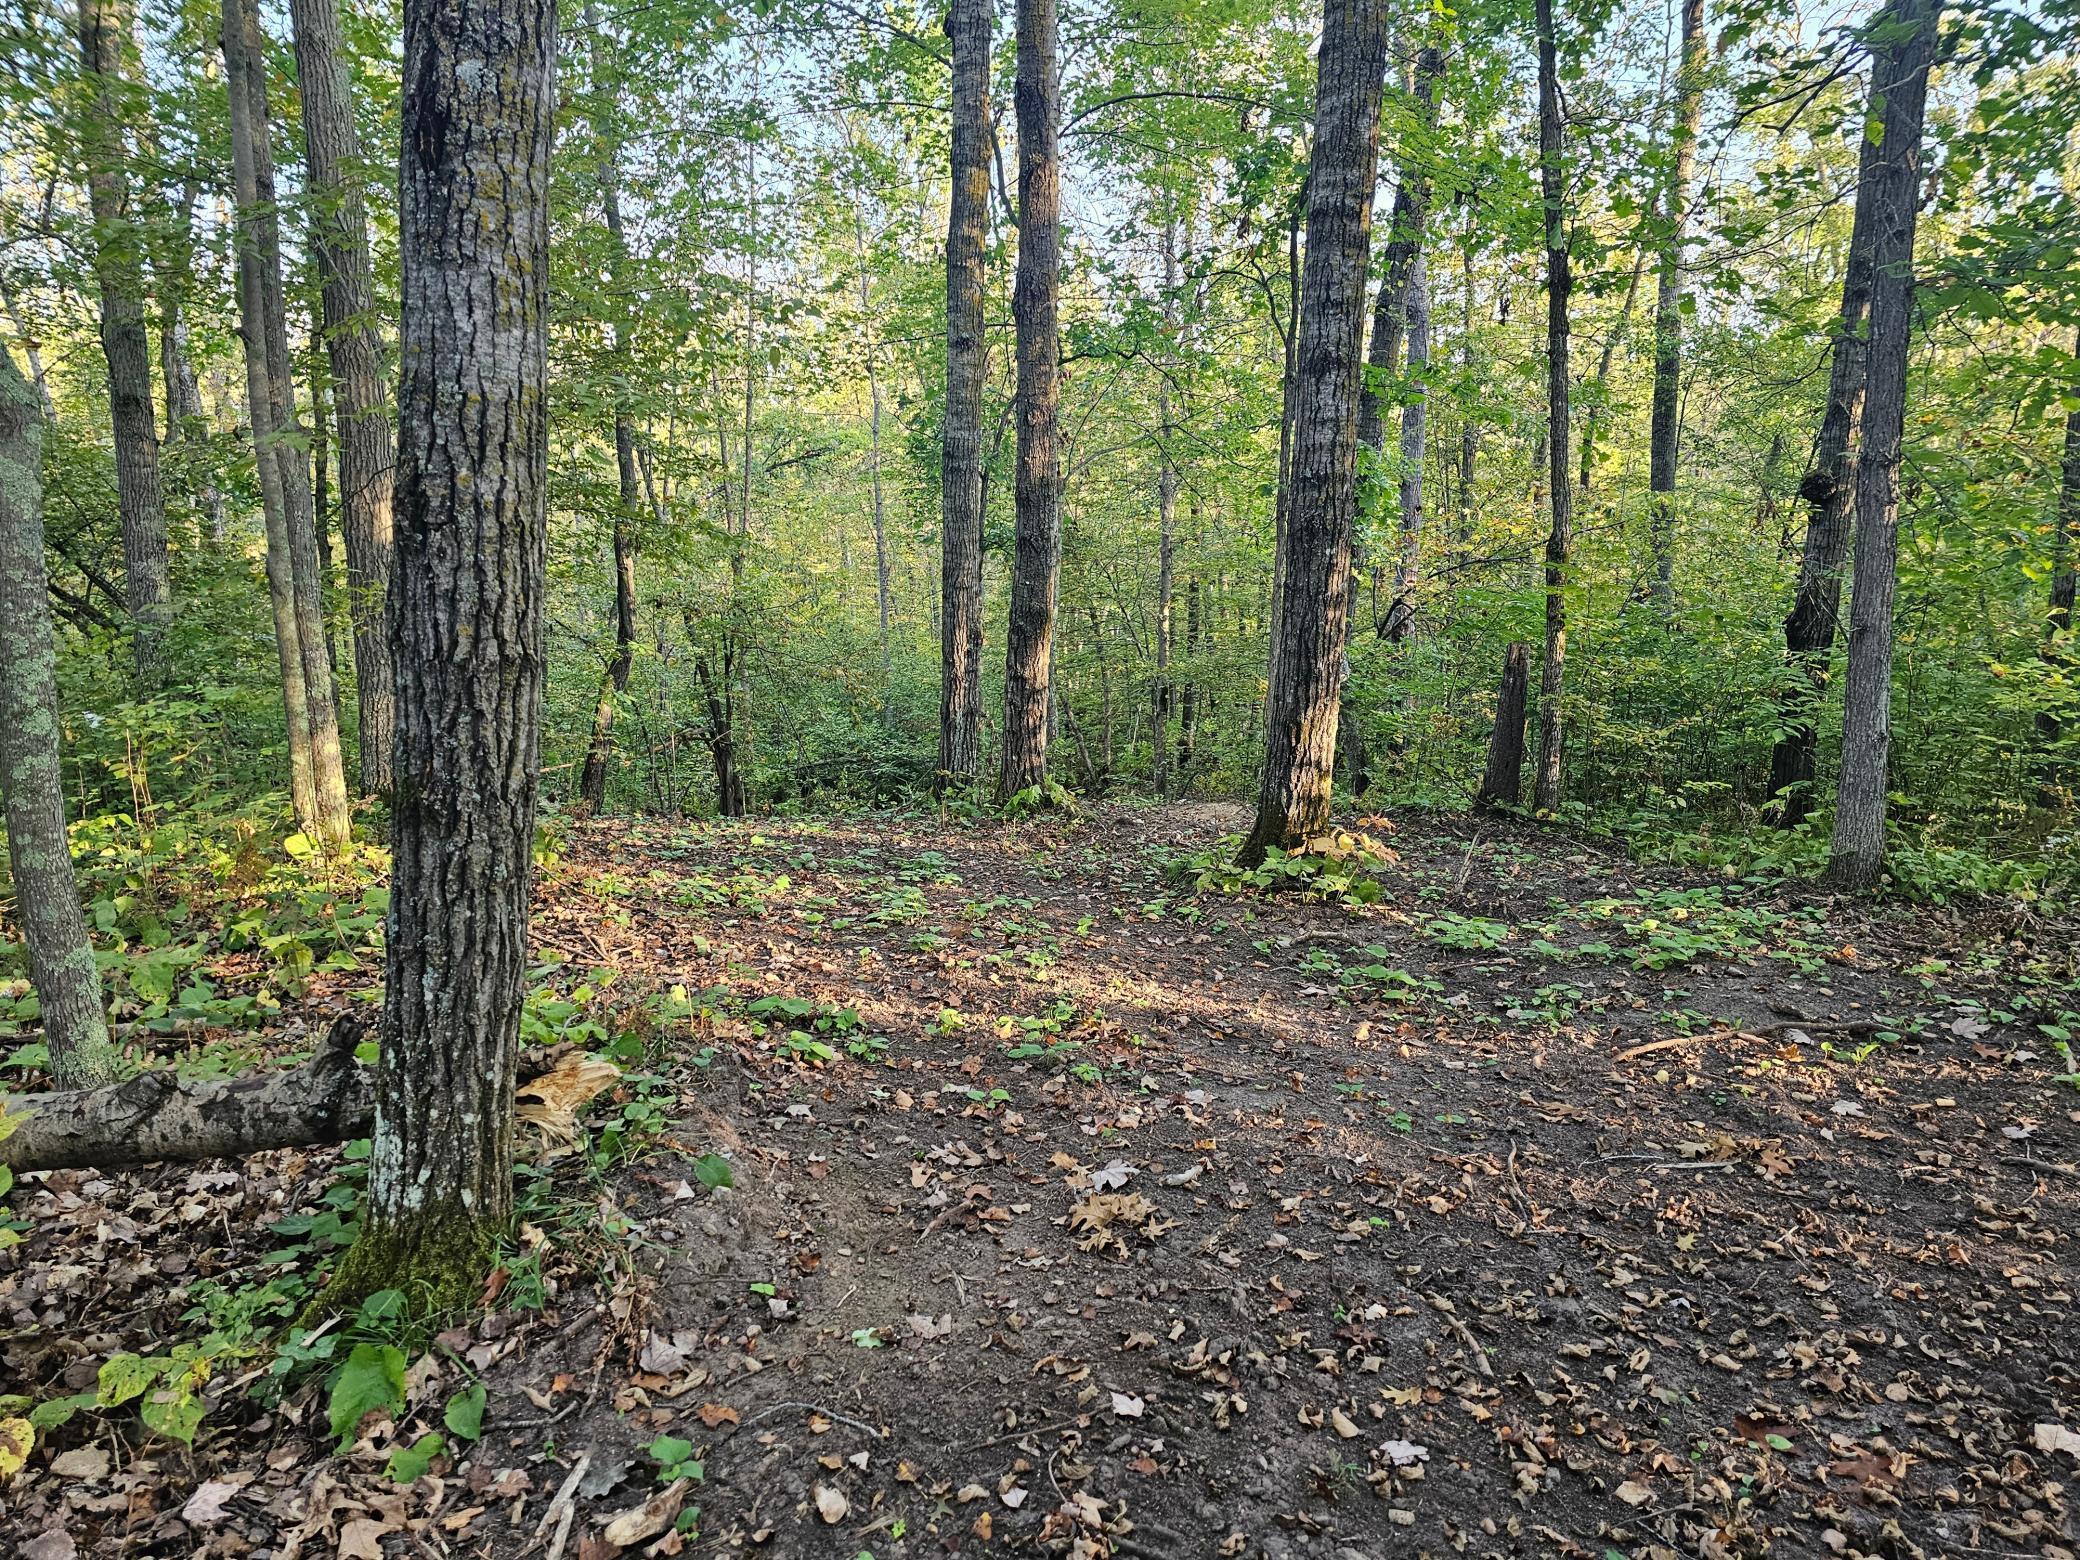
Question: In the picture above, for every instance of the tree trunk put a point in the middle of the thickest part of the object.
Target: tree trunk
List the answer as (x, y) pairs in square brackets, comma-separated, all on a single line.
[(1502, 785), (1404, 245), (1857, 851), (1666, 433), (2058, 618), (729, 784), (1828, 490), (592, 778), (367, 455), (466, 607), (318, 779), (1313, 615), (32, 780), (1401, 610), (1188, 698), (960, 584), (1037, 553), (1592, 420), (104, 38), (1166, 530), (883, 603), (1559, 281)]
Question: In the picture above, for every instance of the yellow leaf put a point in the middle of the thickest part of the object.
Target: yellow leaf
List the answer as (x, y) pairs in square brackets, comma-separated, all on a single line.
[(17, 1436)]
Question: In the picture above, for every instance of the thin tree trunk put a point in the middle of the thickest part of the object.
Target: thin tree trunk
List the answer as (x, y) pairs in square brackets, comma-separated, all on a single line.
[(1401, 610), (32, 780), (1559, 281), (1411, 217), (1469, 429), (2058, 618), (1856, 854), (1313, 617), (1666, 435), (1037, 552), (367, 454), (1188, 699), (1592, 420), (185, 418), (884, 610), (961, 464), (1166, 529), (1828, 491), (104, 37), (466, 594), (295, 578), (32, 350), (1502, 785), (592, 778)]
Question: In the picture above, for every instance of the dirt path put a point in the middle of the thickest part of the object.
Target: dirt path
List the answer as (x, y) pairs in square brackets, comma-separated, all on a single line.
[(1077, 1214)]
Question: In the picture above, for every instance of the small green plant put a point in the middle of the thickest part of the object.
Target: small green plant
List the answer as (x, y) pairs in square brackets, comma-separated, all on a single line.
[(674, 1458)]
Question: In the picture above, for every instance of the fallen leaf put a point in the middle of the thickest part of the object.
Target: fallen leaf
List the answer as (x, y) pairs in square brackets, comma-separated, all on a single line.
[(1126, 1405), (2057, 1438), (1340, 1422), (1403, 1454), (82, 1462), (831, 1505), (653, 1516), (206, 1505), (1633, 1493)]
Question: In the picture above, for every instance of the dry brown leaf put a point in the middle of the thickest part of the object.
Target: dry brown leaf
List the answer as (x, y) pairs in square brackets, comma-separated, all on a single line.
[(550, 1103)]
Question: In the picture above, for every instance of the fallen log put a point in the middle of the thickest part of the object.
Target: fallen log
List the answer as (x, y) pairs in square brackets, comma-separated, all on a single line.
[(159, 1115)]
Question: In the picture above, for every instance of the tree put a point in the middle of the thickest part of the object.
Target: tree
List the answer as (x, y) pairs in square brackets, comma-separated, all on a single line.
[(104, 39), (32, 781), (2065, 536), (1037, 549), (1166, 524), (466, 608), (960, 589), (1552, 179), (1666, 432), (1311, 616), (367, 455), (1857, 852), (318, 787), (1829, 488)]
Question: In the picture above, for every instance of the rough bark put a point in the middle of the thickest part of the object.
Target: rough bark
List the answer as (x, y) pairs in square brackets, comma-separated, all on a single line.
[(960, 580), (1313, 616), (1857, 852), (1828, 490), (32, 781), (104, 38), (1502, 784), (367, 454), (1666, 426), (317, 777), (466, 592), (1552, 174), (1037, 497)]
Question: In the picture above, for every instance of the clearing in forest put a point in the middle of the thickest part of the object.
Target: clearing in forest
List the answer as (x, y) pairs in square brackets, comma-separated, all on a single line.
[(1548, 1206)]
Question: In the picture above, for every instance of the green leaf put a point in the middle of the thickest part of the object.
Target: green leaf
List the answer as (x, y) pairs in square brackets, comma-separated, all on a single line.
[(175, 1411), (126, 1376), (372, 1378), (48, 1416), (465, 1413), (409, 1462), (668, 1451), (712, 1170)]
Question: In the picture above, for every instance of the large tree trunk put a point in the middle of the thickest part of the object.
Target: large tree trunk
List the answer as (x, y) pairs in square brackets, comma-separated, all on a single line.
[(32, 781), (1666, 428), (318, 779), (1037, 551), (1828, 490), (466, 595), (1312, 616), (960, 581), (1857, 851), (1552, 173), (104, 38), (367, 455)]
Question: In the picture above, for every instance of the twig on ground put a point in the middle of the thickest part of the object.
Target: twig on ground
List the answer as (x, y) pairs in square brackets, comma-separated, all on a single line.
[(817, 1408)]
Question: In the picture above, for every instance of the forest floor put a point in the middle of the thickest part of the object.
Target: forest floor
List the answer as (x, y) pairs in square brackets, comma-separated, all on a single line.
[(1550, 1206)]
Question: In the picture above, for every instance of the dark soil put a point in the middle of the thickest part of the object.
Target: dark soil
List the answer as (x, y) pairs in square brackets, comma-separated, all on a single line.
[(1186, 1226)]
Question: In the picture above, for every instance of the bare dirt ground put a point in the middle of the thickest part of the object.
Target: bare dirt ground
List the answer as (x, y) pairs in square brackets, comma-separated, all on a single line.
[(1550, 1206)]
